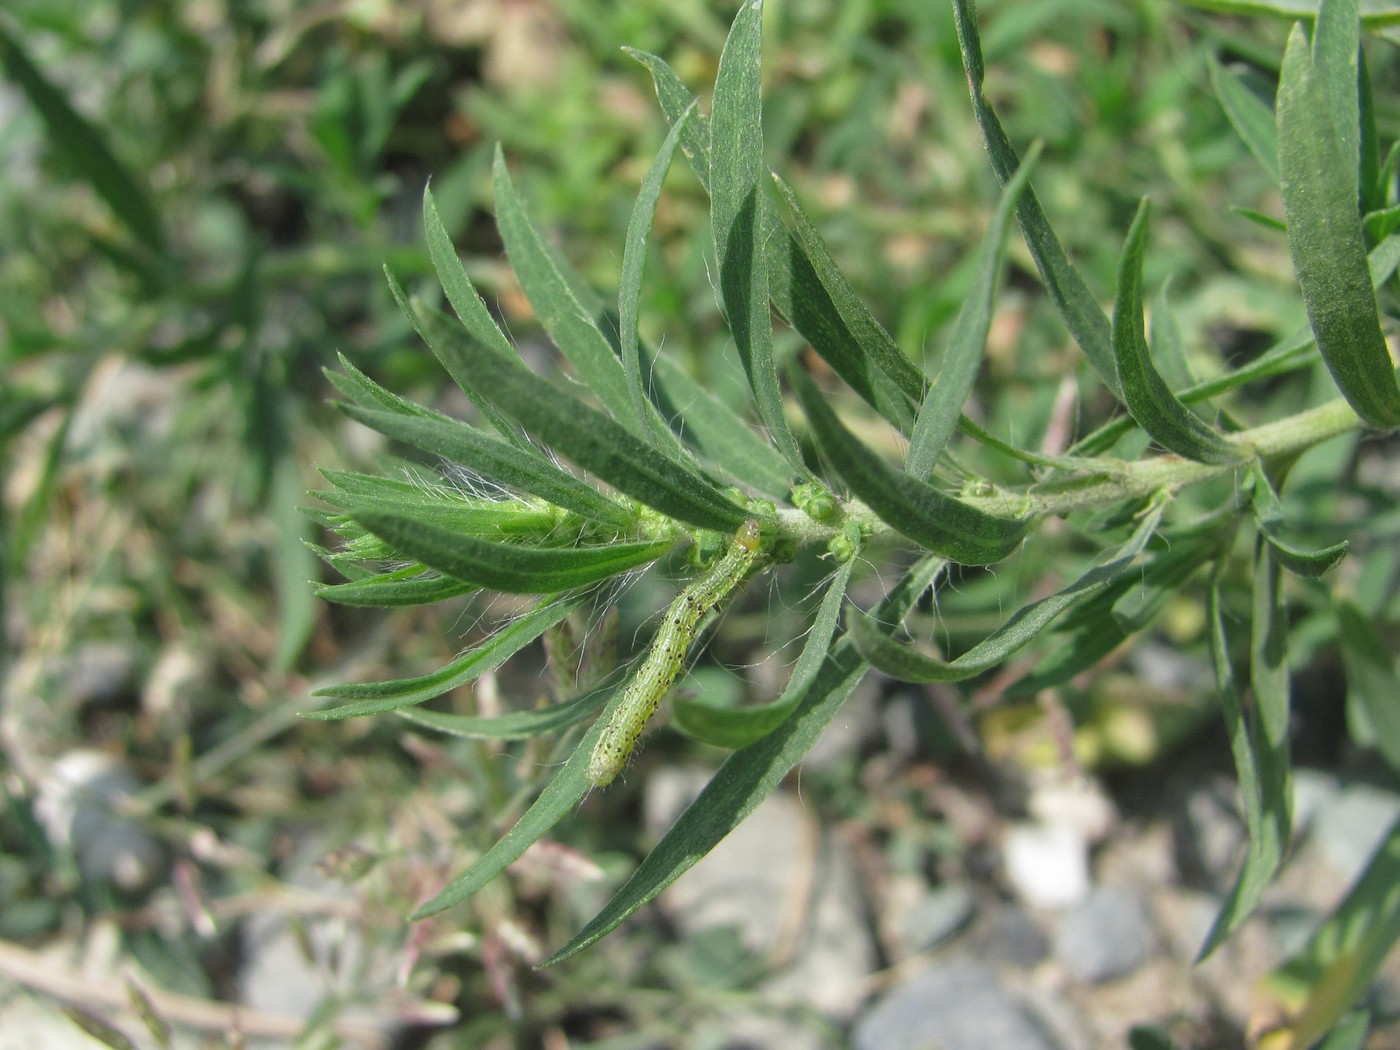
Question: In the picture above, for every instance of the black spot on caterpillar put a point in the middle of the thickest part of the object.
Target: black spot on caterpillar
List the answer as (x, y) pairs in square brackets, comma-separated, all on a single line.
[(668, 652)]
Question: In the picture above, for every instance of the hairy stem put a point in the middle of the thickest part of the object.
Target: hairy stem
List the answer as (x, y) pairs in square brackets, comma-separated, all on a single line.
[(1109, 481)]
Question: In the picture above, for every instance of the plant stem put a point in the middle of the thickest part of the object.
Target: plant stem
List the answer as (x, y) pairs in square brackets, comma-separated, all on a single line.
[(1135, 480), (1104, 485)]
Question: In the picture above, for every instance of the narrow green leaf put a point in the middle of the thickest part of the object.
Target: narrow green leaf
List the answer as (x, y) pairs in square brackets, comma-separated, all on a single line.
[(293, 564), (1268, 516), (725, 439), (1380, 225), (900, 661), (1081, 313), (97, 1029), (736, 727), (1375, 192), (819, 638), (931, 518), (887, 382), (938, 417), (1321, 983), (1166, 341), (391, 589), (1373, 686), (801, 297), (1336, 43), (595, 315), (748, 776), (1164, 575), (1349, 1033), (738, 218), (1384, 260), (559, 798), (1375, 14), (1248, 114), (498, 518), (1265, 843), (676, 99), (522, 469), (1105, 620), (1150, 401), (466, 301), (509, 567), (1325, 240), (358, 546), (1258, 741), (86, 147), (569, 324), (469, 306), (1260, 218), (1268, 677), (591, 439), (1288, 354), (1089, 642), (1386, 176), (376, 697), (436, 330), (807, 257), (634, 255), (461, 293), (366, 393), (518, 725)]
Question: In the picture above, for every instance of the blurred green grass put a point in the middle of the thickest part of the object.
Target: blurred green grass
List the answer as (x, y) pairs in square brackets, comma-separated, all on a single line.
[(167, 311)]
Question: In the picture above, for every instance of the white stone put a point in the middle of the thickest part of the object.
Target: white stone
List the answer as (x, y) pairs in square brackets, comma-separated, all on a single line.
[(1047, 865)]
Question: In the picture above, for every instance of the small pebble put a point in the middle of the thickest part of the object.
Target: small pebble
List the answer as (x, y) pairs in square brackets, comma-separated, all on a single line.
[(1108, 935), (1349, 828), (956, 1006), (1047, 864), (1010, 937), (78, 805), (939, 914)]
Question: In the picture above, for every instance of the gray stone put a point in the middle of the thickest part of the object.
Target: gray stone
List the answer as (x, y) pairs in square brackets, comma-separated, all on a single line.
[(792, 895), (834, 950), (747, 881), (956, 1006), (939, 914), (852, 725), (100, 673), (668, 792), (1313, 792), (1210, 833), (1167, 667), (927, 723), (1109, 935), (79, 801), (1010, 937), (1349, 827), (759, 1032), (297, 965)]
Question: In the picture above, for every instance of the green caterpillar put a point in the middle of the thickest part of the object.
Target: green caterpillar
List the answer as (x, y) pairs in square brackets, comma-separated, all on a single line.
[(668, 652)]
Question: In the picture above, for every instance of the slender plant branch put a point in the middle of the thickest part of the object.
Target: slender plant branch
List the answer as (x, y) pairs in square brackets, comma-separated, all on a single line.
[(1109, 482)]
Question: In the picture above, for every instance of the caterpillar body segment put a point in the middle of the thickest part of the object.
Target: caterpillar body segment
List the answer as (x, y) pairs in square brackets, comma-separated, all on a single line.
[(669, 649)]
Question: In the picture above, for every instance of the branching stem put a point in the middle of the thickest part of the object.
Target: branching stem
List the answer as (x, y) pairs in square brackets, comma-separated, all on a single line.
[(1110, 481)]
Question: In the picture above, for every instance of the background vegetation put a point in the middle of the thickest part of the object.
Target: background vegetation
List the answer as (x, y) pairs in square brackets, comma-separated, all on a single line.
[(196, 203)]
